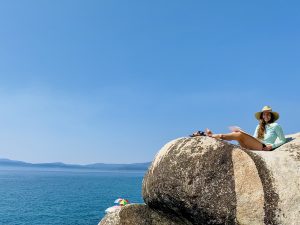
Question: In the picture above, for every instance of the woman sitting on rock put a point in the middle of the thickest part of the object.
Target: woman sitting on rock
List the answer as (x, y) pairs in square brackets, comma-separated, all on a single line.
[(266, 133)]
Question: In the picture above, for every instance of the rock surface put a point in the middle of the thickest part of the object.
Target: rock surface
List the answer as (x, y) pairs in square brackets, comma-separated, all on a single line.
[(138, 214), (208, 181), (204, 181), (112, 218)]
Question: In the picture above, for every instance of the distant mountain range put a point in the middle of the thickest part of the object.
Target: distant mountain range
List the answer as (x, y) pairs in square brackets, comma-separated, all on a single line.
[(59, 165)]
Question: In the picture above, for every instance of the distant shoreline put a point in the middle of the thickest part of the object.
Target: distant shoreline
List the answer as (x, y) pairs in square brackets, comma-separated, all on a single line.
[(7, 163), (62, 170)]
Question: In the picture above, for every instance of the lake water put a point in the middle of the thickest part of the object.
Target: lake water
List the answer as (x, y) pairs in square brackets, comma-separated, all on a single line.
[(63, 197)]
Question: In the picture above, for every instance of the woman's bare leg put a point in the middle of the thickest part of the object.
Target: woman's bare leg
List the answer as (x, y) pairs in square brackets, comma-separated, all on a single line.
[(244, 140)]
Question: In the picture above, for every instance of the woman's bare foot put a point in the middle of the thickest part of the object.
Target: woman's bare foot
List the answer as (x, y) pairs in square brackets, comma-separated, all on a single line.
[(209, 133)]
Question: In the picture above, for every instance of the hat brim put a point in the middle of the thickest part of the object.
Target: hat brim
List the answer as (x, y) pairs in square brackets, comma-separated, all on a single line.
[(275, 115)]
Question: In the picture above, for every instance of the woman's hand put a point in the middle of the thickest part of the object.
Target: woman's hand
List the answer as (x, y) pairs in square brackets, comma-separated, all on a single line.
[(267, 148)]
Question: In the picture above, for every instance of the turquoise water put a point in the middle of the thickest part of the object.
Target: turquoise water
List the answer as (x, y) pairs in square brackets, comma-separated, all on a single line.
[(63, 197)]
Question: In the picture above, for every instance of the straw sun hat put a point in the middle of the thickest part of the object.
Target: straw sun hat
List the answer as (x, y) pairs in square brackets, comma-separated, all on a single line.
[(268, 109)]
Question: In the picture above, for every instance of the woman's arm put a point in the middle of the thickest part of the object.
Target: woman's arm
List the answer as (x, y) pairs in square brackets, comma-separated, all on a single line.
[(255, 132), (280, 135)]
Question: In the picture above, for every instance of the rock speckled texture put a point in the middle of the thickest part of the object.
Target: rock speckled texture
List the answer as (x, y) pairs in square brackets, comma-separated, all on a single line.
[(112, 218), (138, 214), (188, 175), (210, 181), (204, 181)]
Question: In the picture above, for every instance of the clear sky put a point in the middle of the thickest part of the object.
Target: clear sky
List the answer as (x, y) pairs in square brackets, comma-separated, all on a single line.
[(113, 81)]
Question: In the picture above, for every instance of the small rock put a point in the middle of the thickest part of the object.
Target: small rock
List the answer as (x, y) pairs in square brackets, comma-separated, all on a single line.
[(140, 214)]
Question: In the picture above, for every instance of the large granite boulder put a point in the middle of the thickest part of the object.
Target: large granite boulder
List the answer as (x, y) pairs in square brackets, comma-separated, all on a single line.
[(139, 214), (209, 181)]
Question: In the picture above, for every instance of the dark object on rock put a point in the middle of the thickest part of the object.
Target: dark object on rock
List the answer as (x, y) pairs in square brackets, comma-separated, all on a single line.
[(198, 133)]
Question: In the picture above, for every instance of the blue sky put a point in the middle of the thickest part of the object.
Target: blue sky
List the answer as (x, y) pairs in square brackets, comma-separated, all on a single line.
[(113, 81)]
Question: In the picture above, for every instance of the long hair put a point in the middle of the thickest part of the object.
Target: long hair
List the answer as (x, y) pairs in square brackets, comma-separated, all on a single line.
[(262, 126)]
